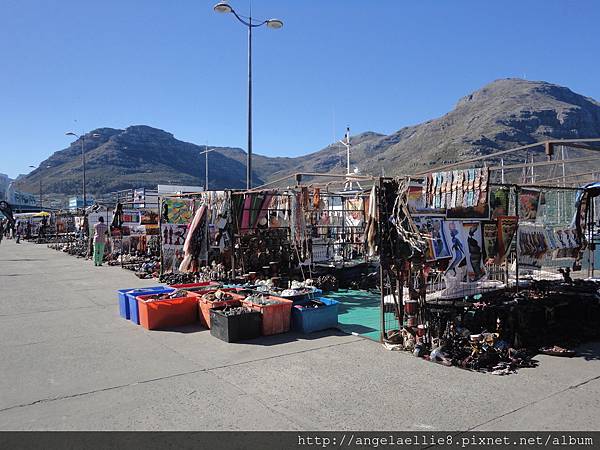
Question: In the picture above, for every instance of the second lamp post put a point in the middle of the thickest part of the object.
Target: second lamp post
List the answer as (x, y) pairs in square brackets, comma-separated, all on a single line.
[(82, 137), (224, 7)]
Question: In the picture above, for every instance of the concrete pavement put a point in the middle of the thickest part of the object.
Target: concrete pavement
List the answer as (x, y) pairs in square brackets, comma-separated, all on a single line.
[(69, 362)]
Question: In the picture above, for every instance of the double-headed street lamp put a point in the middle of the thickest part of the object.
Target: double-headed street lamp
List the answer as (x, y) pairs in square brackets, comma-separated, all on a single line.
[(82, 137), (224, 7)]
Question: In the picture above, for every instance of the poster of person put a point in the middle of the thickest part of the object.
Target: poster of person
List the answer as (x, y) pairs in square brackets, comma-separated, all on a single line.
[(507, 227), (499, 203), (453, 232), (490, 240), (354, 212), (432, 230), (529, 203), (176, 211), (173, 238), (149, 217), (473, 235), (172, 258)]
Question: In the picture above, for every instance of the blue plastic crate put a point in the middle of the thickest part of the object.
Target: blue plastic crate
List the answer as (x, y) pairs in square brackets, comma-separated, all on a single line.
[(123, 303), (132, 304), (309, 320)]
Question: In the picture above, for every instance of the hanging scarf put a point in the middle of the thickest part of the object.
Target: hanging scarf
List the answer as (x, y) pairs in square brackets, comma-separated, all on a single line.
[(195, 242), (372, 219), (117, 221)]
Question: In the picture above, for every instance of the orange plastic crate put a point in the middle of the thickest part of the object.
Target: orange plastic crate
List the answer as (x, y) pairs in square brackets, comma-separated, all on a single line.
[(202, 287), (169, 313), (206, 306), (275, 318)]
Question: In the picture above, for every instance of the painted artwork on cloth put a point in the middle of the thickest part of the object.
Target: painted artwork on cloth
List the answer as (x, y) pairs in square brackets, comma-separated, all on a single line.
[(149, 217), (177, 211), (498, 203), (507, 227), (417, 204), (473, 235), (529, 203), (453, 232), (131, 217), (532, 246), (152, 230), (432, 229), (566, 242), (490, 240), (481, 211), (172, 239)]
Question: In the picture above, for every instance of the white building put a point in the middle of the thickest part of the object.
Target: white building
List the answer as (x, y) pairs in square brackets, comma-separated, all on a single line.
[(9, 194)]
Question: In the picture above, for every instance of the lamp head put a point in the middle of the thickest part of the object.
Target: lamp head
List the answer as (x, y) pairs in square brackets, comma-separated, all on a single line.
[(223, 7), (70, 133), (275, 24)]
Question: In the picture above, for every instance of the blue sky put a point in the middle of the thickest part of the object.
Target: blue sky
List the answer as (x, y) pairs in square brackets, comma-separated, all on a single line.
[(176, 65)]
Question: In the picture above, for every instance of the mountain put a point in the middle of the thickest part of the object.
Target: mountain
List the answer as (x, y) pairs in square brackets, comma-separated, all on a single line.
[(503, 114), (139, 156)]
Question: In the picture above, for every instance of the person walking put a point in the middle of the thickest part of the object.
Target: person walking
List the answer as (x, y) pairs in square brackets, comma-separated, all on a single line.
[(17, 232), (100, 233), (1, 230)]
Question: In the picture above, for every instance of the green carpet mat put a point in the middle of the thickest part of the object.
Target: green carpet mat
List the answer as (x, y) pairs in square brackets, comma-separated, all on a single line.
[(358, 312)]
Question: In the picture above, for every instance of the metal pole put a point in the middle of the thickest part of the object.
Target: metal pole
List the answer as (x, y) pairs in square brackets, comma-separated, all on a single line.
[(83, 164), (249, 161), (41, 204), (518, 240), (206, 167)]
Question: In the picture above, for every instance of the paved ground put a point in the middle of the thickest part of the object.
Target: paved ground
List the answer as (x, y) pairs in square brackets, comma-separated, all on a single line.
[(70, 363)]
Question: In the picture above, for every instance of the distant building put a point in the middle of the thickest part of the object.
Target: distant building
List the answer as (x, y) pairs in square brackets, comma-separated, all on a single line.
[(145, 198), (4, 184), (176, 189), (77, 202), (14, 197)]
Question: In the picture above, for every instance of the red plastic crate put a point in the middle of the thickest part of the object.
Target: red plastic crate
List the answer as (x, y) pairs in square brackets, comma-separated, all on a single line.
[(276, 317)]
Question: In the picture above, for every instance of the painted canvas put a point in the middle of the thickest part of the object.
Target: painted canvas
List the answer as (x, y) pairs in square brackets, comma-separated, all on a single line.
[(473, 238), (507, 227), (177, 211), (490, 240), (432, 228), (453, 232), (529, 202)]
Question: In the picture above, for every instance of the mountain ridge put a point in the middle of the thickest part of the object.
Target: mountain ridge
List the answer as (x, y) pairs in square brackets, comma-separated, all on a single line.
[(503, 114)]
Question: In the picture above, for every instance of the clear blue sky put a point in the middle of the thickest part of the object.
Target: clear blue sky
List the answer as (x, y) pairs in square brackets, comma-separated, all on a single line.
[(177, 65)]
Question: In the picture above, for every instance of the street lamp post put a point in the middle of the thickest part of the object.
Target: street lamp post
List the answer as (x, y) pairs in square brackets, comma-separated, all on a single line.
[(82, 137), (205, 153), (41, 198), (224, 7)]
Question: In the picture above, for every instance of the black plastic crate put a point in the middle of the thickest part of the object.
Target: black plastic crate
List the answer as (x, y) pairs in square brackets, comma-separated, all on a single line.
[(235, 328)]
